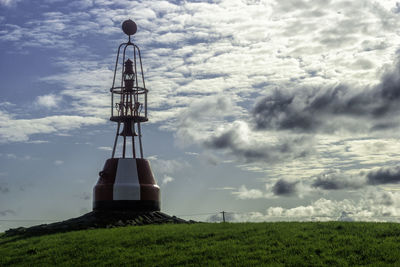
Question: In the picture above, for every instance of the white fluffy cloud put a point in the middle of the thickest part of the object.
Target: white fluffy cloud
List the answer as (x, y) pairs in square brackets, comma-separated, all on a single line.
[(167, 179), (244, 193), (48, 101), (167, 166), (373, 206), (58, 162), (20, 130), (9, 3)]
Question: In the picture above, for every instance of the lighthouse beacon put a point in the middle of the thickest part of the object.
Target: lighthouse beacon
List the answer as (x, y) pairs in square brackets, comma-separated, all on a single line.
[(126, 182)]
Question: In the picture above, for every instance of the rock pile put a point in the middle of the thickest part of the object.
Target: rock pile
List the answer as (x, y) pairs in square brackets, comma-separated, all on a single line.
[(93, 220)]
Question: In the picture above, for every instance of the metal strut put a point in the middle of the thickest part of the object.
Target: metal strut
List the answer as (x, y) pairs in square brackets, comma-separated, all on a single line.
[(140, 140), (116, 139), (132, 99)]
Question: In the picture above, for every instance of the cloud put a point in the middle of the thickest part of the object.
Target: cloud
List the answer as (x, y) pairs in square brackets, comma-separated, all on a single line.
[(197, 121), (284, 188), (105, 148), (9, 3), (385, 175), (58, 162), (20, 130), (166, 166), (37, 142), (7, 212), (345, 217), (48, 101), (229, 188), (326, 109), (336, 180), (244, 193), (6, 104), (207, 62), (11, 156), (167, 179), (239, 140), (372, 206), (85, 83)]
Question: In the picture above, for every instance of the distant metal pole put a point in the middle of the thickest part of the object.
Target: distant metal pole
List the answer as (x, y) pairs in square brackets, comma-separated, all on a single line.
[(223, 216)]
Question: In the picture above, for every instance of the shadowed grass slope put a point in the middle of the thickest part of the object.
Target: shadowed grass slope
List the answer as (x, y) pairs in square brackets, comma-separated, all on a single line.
[(245, 244)]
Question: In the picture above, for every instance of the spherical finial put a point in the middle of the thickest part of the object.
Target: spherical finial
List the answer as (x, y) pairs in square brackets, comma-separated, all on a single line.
[(129, 27)]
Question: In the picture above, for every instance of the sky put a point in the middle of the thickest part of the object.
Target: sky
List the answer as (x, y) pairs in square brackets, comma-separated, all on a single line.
[(270, 110)]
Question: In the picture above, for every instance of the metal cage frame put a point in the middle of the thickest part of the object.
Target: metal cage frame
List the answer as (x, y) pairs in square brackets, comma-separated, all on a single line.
[(139, 92)]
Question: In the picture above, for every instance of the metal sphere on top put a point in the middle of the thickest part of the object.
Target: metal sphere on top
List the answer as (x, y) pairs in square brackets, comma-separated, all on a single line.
[(129, 27)]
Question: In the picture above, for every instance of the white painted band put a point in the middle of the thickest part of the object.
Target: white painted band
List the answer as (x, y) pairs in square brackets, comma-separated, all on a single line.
[(126, 186)]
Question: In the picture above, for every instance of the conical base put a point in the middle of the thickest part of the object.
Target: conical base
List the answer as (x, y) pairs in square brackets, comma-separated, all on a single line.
[(126, 184)]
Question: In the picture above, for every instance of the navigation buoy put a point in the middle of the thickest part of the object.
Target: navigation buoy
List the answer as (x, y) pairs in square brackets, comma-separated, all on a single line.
[(126, 182)]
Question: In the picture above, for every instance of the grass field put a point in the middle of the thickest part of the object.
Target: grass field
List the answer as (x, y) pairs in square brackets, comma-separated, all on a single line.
[(229, 244)]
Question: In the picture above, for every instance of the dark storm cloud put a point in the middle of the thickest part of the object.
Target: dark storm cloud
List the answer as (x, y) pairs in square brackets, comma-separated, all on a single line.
[(381, 126), (6, 212), (388, 175), (328, 184), (279, 111), (231, 141), (284, 188), (310, 110), (335, 180)]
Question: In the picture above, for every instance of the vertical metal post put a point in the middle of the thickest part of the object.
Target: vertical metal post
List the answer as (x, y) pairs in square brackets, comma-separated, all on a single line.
[(136, 79), (112, 102), (223, 216), (144, 84), (115, 141), (140, 140), (130, 105), (116, 64), (145, 103), (133, 142)]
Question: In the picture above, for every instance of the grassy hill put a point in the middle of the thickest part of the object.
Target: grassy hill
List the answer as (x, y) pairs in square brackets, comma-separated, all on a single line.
[(243, 244)]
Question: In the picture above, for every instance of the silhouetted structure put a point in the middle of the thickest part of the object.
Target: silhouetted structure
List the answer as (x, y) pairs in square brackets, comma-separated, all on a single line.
[(127, 183), (126, 192)]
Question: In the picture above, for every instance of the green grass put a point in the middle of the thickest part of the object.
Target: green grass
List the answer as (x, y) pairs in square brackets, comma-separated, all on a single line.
[(239, 244)]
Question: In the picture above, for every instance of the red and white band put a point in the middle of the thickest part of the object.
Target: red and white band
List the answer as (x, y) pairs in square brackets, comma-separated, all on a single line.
[(126, 179)]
